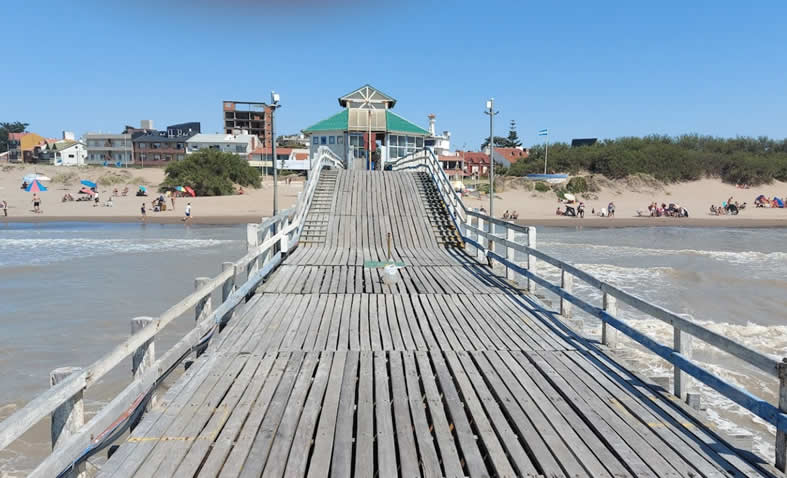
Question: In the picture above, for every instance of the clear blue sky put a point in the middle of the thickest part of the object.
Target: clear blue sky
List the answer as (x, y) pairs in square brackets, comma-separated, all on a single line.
[(581, 69)]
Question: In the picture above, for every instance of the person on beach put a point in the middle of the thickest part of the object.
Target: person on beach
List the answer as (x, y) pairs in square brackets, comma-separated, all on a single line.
[(36, 203), (4, 205), (144, 213), (611, 209), (187, 217), (172, 200), (96, 200)]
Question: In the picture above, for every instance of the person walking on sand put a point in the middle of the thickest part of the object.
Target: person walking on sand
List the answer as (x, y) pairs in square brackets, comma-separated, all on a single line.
[(144, 214), (187, 212), (96, 200), (172, 200), (36, 203), (4, 204)]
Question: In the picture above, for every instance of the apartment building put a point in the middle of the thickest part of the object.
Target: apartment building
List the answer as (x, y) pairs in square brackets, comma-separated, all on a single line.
[(255, 118)]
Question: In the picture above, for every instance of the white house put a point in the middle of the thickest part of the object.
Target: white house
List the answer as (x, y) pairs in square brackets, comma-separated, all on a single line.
[(241, 144), (66, 153)]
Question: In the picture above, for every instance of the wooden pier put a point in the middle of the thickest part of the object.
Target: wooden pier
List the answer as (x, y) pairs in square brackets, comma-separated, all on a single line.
[(453, 370), (450, 372)]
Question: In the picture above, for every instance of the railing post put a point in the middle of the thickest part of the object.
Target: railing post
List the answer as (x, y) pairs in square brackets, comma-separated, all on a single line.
[(266, 256), (228, 287), (203, 308), (781, 436), (682, 345), (510, 254), (609, 335), (145, 354), (252, 241), (468, 222), (531, 260), (480, 254), (70, 416), (567, 284), (285, 237)]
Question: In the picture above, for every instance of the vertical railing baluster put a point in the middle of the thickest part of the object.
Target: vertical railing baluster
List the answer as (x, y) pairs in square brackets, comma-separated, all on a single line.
[(682, 345), (144, 356), (531, 260), (609, 335), (781, 436), (68, 418), (510, 253), (567, 284)]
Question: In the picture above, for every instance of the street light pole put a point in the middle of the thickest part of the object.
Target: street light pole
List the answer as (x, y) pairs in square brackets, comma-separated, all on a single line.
[(274, 106), (490, 110)]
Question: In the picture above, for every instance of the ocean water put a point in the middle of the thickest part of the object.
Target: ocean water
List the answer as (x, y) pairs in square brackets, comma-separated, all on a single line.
[(733, 281), (69, 291)]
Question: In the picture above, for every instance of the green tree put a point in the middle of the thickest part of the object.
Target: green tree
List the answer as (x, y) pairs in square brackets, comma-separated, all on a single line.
[(211, 173), (513, 137), (6, 129), (500, 142)]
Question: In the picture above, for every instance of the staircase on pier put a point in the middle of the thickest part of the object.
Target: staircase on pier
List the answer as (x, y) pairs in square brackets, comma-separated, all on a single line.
[(442, 226), (315, 227)]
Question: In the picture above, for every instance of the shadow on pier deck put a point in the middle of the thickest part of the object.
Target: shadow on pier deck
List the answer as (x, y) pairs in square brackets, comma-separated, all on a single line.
[(452, 371)]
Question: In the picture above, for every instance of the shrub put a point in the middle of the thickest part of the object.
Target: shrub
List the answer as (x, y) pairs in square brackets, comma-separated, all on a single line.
[(542, 187), (211, 173), (667, 159)]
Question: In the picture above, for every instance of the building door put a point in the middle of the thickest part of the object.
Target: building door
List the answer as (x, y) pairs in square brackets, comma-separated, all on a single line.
[(357, 151)]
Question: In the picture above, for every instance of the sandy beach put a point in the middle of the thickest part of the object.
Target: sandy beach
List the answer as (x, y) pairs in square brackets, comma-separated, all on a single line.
[(249, 207), (534, 208)]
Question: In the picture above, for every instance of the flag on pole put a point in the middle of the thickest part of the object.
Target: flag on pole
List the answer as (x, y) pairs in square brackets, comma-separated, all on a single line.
[(543, 132)]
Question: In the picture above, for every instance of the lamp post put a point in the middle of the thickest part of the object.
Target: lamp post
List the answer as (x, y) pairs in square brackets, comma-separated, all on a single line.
[(490, 110), (274, 105)]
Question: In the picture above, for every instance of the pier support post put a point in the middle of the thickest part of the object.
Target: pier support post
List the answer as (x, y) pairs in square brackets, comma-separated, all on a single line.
[(609, 335), (480, 254), (531, 260), (228, 287), (510, 254), (69, 417), (781, 437), (682, 345), (567, 284), (252, 241), (145, 354)]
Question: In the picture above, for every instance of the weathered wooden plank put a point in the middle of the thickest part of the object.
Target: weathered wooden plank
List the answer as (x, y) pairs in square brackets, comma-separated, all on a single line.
[(365, 429)]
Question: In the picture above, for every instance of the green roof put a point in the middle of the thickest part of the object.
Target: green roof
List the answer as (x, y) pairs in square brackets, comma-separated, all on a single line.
[(337, 122), (400, 125)]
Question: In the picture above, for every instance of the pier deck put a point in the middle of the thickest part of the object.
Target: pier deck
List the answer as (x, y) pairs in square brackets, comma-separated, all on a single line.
[(453, 371)]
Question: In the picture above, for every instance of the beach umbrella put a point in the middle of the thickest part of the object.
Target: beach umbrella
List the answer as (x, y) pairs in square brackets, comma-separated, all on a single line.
[(143, 188), (87, 191), (35, 187), (180, 189), (87, 183), (569, 197), (191, 191), (29, 178)]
